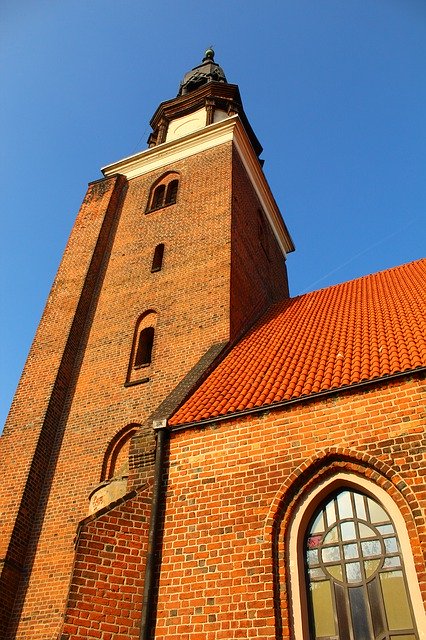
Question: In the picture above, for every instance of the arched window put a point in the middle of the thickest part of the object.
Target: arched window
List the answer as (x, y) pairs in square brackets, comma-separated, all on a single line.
[(157, 260), (356, 582), (349, 564), (163, 192), (144, 349)]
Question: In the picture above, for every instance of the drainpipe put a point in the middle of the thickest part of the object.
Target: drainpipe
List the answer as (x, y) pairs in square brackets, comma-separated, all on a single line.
[(151, 569)]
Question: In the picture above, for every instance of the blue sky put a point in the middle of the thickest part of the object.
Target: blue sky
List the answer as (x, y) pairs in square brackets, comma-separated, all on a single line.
[(335, 91)]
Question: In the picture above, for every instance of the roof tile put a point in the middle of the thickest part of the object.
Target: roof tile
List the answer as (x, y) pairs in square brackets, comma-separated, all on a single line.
[(356, 331)]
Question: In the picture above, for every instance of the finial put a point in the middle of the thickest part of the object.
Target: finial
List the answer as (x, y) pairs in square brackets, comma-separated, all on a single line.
[(209, 54)]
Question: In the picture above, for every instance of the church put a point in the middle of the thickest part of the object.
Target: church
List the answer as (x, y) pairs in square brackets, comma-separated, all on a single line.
[(192, 453)]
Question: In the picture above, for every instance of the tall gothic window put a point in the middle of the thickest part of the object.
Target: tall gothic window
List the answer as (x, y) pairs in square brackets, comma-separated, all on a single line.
[(357, 587), (141, 353)]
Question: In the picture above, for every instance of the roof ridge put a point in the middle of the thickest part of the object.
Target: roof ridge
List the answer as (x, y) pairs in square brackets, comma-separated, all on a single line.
[(363, 277)]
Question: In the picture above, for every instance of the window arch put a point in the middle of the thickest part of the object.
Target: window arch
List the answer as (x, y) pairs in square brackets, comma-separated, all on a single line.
[(352, 572), (115, 461), (142, 348), (163, 192)]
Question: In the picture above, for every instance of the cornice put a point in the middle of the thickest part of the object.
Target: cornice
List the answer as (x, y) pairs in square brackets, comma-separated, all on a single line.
[(184, 104), (228, 130), (169, 152), (262, 188)]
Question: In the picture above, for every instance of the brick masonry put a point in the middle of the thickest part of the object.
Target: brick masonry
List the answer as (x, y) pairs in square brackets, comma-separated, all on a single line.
[(231, 492), (72, 400), (233, 487), (258, 269), (32, 432), (105, 597)]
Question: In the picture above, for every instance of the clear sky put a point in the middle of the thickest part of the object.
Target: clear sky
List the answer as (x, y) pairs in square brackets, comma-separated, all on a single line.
[(335, 91)]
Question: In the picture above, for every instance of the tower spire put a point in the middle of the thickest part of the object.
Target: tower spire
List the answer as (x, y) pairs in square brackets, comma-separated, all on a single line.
[(207, 71)]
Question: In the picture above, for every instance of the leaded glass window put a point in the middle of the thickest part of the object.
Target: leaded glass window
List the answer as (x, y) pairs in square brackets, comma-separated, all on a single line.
[(356, 580)]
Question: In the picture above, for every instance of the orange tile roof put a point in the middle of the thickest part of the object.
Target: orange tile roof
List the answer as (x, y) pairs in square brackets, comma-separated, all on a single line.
[(353, 332)]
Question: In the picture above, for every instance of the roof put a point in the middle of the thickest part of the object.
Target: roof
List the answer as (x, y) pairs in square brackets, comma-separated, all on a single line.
[(349, 333), (207, 71)]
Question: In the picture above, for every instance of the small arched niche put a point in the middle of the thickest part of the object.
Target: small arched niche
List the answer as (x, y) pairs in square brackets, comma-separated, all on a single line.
[(143, 348), (115, 470)]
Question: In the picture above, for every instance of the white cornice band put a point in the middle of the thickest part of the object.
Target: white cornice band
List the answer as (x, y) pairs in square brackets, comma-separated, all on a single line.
[(227, 130)]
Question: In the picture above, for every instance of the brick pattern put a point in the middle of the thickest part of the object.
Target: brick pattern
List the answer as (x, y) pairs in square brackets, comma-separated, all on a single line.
[(32, 430), (103, 286), (258, 269), (105, 597), (232, 488)]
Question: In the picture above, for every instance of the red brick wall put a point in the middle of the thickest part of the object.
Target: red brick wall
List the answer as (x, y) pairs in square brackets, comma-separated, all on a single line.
[(105, 597), (231, 487), (259, 274), (31, 432), (191, 296)]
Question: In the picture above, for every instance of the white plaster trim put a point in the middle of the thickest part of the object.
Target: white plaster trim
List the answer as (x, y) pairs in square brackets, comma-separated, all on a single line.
[(169, 152), (261, 186), (227, 130), (180, 127), (296, 551)]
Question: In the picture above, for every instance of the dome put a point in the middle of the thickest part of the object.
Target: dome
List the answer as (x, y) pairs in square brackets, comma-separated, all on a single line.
[(207, 71)]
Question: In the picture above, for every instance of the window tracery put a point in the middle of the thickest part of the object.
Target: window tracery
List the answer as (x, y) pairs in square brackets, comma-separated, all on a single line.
[(355, 572), (350, 565)]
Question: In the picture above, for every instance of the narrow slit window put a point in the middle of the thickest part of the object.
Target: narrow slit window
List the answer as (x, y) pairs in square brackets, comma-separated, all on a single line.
[(144, 351), (263, 238), (157, 260)]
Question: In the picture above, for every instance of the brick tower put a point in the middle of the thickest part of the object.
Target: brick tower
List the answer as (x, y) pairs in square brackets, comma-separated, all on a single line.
[(174, 252)]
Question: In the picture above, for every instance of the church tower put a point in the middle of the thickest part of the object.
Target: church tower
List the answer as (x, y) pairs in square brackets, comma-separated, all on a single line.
[(174, 253)]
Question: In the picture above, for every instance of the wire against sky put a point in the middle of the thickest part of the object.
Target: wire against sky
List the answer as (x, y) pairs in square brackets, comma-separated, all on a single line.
[(357, 255)]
